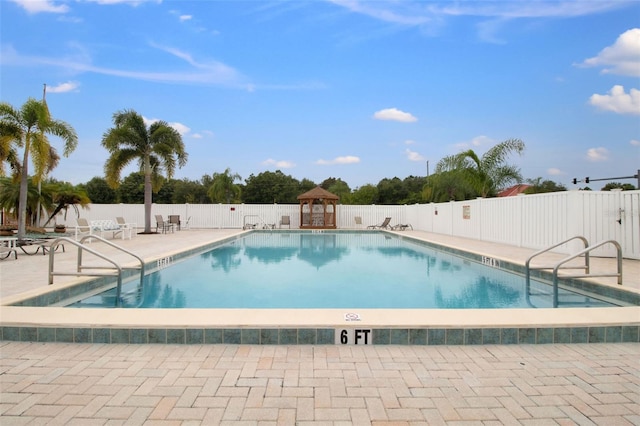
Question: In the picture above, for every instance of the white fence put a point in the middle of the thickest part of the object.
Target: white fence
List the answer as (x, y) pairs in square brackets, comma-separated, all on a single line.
[(531, 221)]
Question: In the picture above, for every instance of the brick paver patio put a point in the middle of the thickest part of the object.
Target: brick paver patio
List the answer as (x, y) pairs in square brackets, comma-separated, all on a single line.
[(57, 383)]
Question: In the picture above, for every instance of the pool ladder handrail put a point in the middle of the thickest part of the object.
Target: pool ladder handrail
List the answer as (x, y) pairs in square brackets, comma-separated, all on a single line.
[(528, 266), (585, 252), (79, 271), (555, 268)]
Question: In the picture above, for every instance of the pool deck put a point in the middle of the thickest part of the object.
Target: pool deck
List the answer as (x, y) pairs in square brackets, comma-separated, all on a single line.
[(167, 384)]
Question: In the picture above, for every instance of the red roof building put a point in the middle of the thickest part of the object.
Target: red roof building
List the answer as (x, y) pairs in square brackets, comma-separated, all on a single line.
[(514, 190)]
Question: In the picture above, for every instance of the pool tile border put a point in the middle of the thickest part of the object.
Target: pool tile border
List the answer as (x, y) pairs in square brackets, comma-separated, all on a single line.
[(325, 336)]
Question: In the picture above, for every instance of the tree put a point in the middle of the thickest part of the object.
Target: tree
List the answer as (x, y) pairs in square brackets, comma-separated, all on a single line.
[(131, 190), (188, 191), (271, 187), (157, 148), (366, 194), (223, 188), (448, 186), (616, 185), (8, 154), (66, 195), (538, 186), (164, 195), (10, 198), (391, 191), (99, 192), (489, 173), (306, 185), (341, 189), (28, 128), (413, 185)]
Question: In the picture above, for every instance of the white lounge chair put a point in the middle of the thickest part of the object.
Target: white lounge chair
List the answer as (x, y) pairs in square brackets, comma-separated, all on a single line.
[(129, 226), (82, 228)]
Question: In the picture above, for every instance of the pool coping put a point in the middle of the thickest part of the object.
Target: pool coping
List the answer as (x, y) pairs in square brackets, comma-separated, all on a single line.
[(316, 326)]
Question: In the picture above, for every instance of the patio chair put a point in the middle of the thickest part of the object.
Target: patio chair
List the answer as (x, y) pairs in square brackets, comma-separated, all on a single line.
[(174, 219), (402, 227), (82, 228), (8, 246), (44, 244), (286, 220), (127, 227), (165, 225), (187, 223), (383, 225)]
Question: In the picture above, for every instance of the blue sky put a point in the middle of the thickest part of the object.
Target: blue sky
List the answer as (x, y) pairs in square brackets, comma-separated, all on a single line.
[(358, 90)]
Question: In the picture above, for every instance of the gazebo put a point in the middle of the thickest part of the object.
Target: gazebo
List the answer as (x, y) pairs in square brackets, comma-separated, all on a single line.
[(318, 209)]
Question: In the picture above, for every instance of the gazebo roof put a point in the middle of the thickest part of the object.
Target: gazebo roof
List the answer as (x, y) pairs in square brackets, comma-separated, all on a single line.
[(317, 193)]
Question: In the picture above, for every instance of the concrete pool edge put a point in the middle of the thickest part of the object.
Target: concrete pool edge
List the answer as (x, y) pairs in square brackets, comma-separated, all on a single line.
[(320, 326)]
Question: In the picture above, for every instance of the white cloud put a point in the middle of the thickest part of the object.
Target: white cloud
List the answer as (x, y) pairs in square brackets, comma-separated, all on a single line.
[(209, 72), (618, 101), (184, 18), (429, 16), (348, 159), (281, 164), (622, 58), (413, 156), (475, 142), (597, 154), (555, 172), (50, 6), (383, 12), (634, 142), (179, 127), (129, 2), (394, 114), (481, 140), (70, 86), (41, 6), (419, 13)]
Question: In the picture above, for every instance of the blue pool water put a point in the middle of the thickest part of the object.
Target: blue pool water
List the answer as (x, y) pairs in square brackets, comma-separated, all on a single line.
[(332, 270)]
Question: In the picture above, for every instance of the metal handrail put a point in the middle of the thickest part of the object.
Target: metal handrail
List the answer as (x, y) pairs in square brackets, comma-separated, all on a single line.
[(585, 252), (79, 271), (528, 267)]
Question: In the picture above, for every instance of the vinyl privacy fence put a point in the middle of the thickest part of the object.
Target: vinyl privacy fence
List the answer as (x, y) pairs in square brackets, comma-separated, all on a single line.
[(531, 221)]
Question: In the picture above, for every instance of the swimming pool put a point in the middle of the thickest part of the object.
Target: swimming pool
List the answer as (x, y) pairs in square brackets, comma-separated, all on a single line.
[(333, 269), (42, 316)]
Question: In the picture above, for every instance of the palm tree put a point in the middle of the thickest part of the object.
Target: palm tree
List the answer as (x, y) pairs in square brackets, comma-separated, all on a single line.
[(10, 198), (156, 147), (488, 173), (65, 195), (223, 189), (8, 154), (27, 128)]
